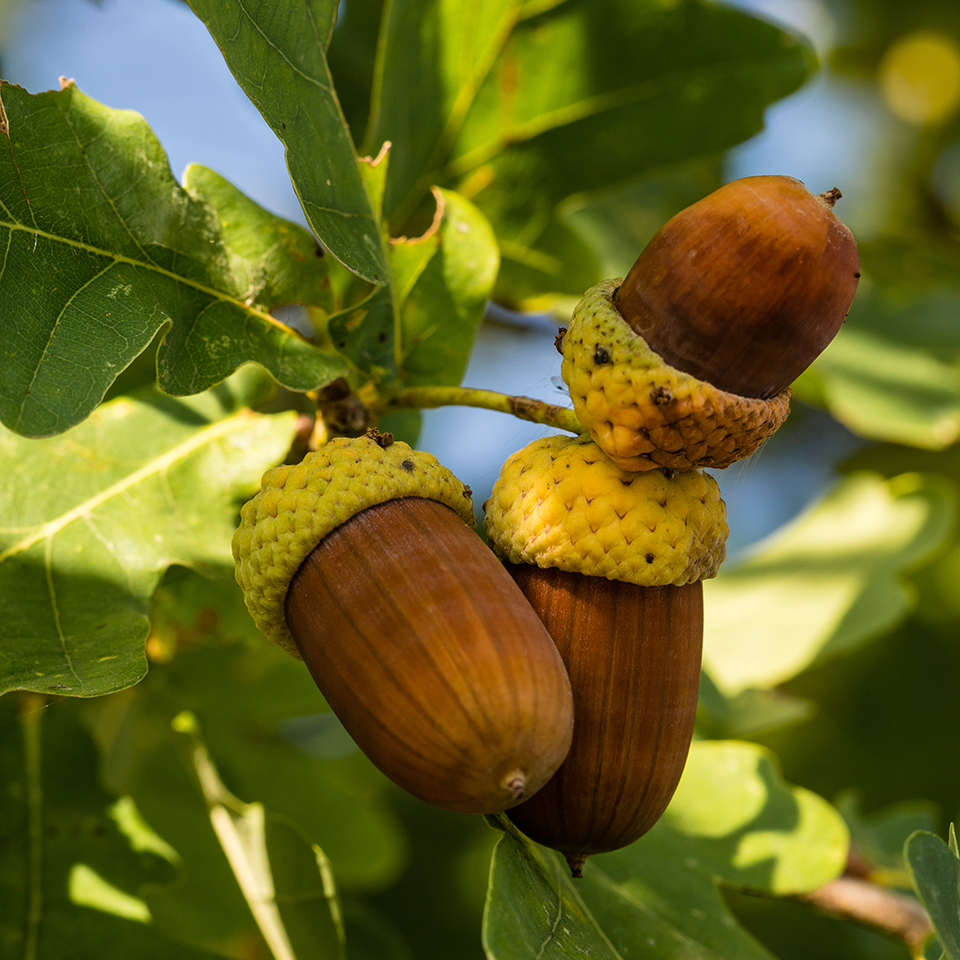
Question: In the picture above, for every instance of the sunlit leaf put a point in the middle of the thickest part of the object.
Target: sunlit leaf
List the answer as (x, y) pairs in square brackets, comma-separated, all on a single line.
[(733, 821), (93, 518), (889, 390), (281, 261), (823, 583), (442, 293), (277, 51), (102, 249)]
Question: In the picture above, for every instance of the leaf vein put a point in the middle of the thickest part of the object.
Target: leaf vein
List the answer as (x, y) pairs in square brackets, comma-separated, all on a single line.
[(93, 173), (589, 106), (183, 450), (283, 56), (53, 331), (162, 271), (110, 547), (58, 623)]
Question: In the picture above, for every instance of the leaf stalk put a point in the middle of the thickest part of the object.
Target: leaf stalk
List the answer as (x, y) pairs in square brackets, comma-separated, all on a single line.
[(525, 408)]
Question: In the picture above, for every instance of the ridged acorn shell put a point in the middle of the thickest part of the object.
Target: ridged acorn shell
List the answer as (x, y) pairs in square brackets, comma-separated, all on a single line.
[(745, 288), (431, 657), (633, 657)]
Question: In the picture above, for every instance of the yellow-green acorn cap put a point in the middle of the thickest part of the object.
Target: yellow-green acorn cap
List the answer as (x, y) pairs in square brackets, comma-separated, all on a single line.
[(298, 505), (646, 414), (559, 502)]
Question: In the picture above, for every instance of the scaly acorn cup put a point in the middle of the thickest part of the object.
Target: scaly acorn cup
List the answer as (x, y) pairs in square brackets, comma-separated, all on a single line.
[(688, 361), (612, 562), (363, 561)]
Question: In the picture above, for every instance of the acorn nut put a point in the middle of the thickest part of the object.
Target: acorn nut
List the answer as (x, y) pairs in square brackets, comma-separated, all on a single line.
[(612, 562), (688, 361), (363, 561)]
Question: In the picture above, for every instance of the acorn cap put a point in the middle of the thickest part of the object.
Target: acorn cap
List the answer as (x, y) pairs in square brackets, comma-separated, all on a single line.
[(646, 414), (298, 505), (559, 502)]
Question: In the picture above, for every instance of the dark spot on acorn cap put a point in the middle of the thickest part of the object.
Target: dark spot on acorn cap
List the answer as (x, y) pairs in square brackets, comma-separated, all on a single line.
[(601, 356), (407, 465), (661, 396), (649, 558)]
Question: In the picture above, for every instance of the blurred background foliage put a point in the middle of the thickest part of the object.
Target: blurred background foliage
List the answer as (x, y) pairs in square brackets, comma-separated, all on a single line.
[(870, 730)]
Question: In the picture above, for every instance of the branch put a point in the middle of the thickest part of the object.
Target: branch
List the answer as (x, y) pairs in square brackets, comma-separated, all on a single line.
[(887, 911)]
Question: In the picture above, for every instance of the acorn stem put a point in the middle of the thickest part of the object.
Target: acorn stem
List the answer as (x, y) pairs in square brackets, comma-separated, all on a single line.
[(525, 408)]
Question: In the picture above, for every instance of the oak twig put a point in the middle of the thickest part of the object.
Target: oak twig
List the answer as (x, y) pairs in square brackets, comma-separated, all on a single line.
[(887, 911)]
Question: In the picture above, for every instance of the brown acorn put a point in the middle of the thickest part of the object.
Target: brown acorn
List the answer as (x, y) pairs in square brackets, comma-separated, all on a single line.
[(688, 361), (364, 562), (745, 288), (612, 563), (634, 717)]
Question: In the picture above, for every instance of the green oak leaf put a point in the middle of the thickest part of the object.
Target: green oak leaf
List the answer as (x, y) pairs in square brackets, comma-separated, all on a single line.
[(520, 106), (433, 58), (76, 862), (279, 260), (421, 328), (824, 582), (732, 821), (277, 51), (103, 249), (285, 880), (365, 334), (443, 282), (892, 371), (935, 871), (92, 519)]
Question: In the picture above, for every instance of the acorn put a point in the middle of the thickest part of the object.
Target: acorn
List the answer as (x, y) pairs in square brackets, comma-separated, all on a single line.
[(612, 561), (688, 361), (363, 561)]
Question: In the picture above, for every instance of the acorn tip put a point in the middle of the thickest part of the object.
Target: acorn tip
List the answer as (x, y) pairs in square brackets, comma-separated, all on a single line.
[(515, 783), (831, 196)]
